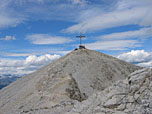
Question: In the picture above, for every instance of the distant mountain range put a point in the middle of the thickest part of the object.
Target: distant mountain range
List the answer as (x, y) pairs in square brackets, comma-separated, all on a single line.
[(7, 79)]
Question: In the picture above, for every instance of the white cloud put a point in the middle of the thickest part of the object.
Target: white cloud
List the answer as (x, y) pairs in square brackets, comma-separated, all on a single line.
[(6, 21), (142, 33), (34, 60), (17, 54), (113, 45), (47, 39), (136, 56), (79, 2), (139, 57), (8, 16), (126, 4), (30, 64), (135, 15), (8, 38)]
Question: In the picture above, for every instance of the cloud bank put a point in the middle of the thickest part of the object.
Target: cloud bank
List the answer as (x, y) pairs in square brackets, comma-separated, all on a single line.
[(138, 57), (30, 64)]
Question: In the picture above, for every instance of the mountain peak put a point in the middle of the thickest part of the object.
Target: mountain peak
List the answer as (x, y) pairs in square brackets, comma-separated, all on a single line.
[(74, 77)]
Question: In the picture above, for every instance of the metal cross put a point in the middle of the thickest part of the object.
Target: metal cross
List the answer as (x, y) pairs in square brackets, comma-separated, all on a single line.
[(80, 37)]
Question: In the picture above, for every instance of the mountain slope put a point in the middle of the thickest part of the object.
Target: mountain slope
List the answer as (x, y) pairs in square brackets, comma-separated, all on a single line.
[(55, 88)]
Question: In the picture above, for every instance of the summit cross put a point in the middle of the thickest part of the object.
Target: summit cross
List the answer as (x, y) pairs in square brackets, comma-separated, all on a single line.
[(80, 38)]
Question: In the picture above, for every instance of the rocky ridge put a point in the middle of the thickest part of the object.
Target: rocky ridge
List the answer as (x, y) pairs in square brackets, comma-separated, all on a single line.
[(58, 87)]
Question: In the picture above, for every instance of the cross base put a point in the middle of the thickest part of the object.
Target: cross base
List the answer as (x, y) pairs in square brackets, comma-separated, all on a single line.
[(81, 47)]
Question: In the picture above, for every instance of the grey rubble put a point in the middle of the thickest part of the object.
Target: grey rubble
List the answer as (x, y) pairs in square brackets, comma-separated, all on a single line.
[(61, 86)]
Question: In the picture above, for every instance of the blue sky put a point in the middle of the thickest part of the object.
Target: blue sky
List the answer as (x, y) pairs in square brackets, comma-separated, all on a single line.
[(35, 32)]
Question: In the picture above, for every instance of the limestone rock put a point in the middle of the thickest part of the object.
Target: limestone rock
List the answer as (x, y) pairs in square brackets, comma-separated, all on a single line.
[(134, 97)]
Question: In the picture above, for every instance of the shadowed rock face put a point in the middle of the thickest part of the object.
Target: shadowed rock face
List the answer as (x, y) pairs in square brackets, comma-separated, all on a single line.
[(55, 89)]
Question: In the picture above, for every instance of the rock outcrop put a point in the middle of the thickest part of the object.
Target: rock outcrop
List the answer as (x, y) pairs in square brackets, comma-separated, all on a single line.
[(76, 78), (130, 96)]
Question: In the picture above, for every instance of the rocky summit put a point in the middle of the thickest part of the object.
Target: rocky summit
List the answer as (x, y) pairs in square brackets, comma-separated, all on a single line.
[(82, 82)]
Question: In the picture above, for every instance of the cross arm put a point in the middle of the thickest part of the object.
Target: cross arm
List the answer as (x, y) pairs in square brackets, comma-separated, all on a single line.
[(80, 36)]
